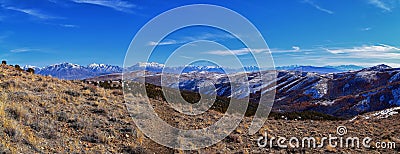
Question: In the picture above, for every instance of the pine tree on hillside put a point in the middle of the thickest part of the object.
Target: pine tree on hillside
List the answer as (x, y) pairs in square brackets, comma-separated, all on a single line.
[(17, 67), (31, 70)]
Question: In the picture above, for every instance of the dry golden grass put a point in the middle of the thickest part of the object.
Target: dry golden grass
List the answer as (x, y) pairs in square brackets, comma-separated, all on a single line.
[(41, 114), (45, 115)]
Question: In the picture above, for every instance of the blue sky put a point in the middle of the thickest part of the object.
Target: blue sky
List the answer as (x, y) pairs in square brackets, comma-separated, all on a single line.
[(304, 32)]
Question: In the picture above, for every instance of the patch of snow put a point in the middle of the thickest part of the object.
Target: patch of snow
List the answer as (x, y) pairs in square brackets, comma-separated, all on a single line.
[(363, 105), (369, 75), (29, 66), (354, 118), (152, 64), (384, 113), (318, 89), (325, 103)]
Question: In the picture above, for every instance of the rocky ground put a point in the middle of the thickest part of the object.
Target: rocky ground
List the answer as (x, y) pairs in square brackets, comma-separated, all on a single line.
[(45, 115)]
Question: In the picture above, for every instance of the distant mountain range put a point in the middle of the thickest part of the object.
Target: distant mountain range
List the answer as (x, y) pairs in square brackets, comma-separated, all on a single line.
[(156, 67), (321, 70), (74, 71), (71, 71)]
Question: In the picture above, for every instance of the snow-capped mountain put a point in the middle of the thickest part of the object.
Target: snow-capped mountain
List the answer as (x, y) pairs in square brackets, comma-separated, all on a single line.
[(104, 68), (71, 71), (157, 68)]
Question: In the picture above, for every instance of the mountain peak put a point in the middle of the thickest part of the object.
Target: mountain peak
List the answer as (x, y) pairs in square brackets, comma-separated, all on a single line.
[(380, 67), (149, 64), (97, 65), (29, 66), (65, 64)]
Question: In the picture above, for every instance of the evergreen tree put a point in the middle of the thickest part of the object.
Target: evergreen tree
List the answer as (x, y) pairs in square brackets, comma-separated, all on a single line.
[(31, 70), (17, 67)]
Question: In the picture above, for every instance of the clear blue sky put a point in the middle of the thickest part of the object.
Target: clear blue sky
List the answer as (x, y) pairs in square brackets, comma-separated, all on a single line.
[(304, 32)]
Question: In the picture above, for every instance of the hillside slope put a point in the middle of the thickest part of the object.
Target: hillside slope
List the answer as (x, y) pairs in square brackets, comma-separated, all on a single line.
[(46, 115)]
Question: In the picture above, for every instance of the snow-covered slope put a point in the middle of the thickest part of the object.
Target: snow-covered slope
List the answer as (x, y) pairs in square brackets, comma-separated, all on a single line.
[(344, 94)]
